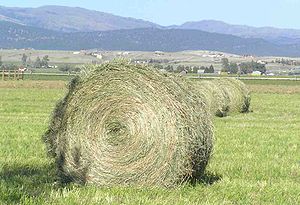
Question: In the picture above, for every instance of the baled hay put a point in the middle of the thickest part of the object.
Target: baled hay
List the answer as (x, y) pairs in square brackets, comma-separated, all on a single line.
[(237, 92), (224, 96), (215, 98), (124, 124)]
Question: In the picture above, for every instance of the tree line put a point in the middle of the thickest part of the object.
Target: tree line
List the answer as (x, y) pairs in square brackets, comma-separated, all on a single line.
[(242, 68), (38, 63), (26, 62)]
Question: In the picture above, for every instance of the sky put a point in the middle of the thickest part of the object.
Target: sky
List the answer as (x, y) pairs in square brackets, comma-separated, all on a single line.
[(276, 13)]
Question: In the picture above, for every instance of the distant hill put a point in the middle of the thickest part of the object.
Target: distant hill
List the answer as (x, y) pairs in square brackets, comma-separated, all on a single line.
[(275, 35), (70, 19), (75, 19), (13, 35), (178, 40)]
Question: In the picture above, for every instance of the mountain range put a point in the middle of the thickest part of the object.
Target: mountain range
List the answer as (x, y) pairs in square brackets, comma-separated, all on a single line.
[(58, 27), (275, 35), (70, 19)]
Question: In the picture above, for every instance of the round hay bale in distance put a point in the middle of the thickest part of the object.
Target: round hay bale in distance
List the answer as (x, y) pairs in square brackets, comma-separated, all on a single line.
[(216, 99), (224, 95), (237, 94)]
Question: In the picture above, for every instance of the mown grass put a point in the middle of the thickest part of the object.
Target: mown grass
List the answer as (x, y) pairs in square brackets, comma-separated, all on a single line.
[(256, 157), (48, 76), (273, 82)]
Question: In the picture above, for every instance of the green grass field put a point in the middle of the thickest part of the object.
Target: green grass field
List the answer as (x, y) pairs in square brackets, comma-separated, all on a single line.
[(48, 77), (256, 158)]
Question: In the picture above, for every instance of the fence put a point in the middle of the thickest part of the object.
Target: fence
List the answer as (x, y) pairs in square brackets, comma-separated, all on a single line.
[(12, 75)]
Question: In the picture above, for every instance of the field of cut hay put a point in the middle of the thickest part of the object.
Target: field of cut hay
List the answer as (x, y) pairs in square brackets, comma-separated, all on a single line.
[(255, 159)]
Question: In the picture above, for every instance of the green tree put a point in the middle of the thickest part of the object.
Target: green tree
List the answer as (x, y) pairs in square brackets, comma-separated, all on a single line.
[(1, 61), (233, 68), (246, 68), (10, 66), (225, 65), (29, 62), (24, 59), (45, 61), (249, 67), (206, 70), (38, 63), (259, 67), (209, 69), (65, 68), (195, 69)]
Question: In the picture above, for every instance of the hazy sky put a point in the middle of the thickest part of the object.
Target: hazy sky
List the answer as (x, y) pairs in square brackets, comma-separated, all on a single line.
[(278, 13)]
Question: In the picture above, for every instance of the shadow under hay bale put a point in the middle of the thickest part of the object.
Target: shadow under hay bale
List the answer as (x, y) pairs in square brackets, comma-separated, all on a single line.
[(123, 124), (208, 178)]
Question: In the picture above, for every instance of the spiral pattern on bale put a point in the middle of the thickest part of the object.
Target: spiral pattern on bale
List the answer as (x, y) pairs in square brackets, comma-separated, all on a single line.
[(124, 124), (224, 96)]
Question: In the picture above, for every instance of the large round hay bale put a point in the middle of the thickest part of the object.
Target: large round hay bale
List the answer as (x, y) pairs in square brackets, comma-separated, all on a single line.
[(124, 124), (224, 95)]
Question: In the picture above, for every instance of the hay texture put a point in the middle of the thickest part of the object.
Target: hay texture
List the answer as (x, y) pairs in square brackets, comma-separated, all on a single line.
[(123, 124), (224, 96)]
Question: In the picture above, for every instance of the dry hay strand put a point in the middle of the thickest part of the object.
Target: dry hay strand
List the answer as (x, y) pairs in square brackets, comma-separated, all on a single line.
[(123, 124), (224, 95)]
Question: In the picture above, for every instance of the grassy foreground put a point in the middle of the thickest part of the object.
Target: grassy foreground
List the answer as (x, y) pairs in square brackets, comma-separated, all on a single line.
[(256, 157)]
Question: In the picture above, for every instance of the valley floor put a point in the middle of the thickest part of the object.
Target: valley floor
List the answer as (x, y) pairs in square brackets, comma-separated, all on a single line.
[(256, 157)]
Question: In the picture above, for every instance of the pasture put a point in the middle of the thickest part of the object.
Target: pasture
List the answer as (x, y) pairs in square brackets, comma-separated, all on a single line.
[(256, 157), (187, 58)]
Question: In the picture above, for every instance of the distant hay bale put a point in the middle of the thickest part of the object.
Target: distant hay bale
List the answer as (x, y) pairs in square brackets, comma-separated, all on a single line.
[(216, 99), (224, 96), (124, 124), (237, 92)]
